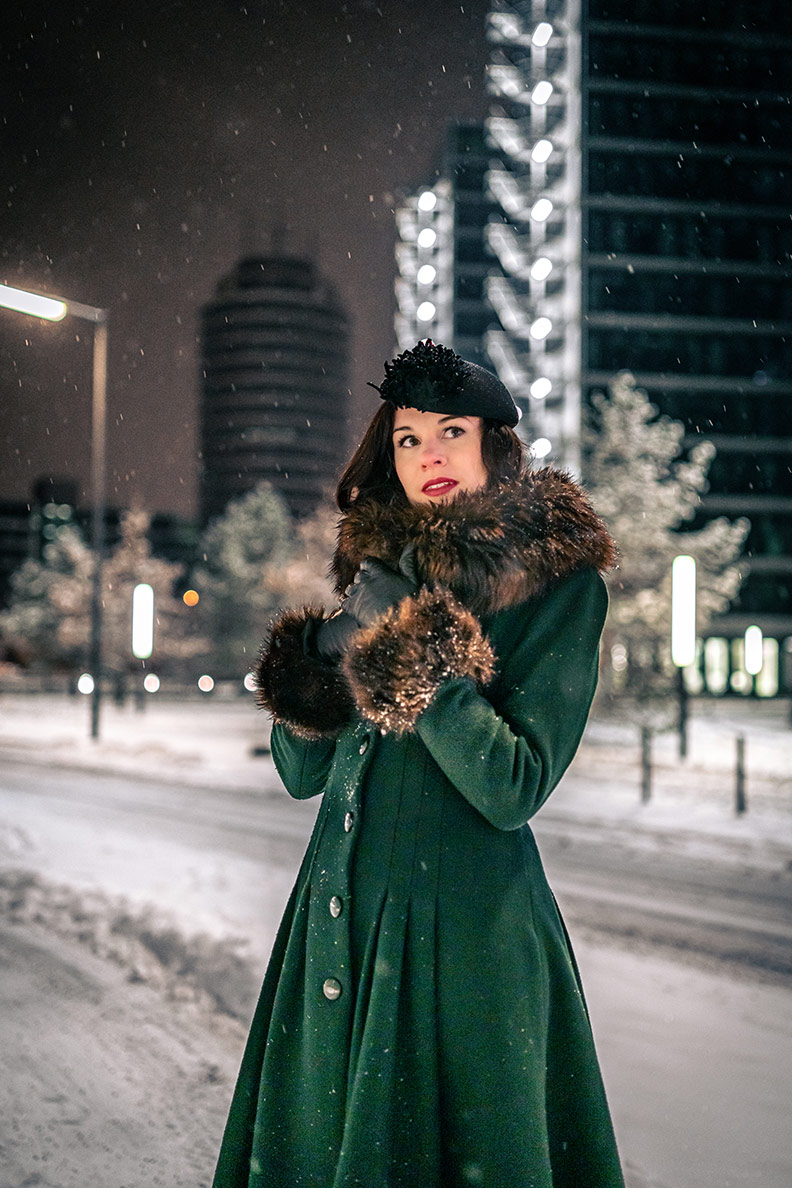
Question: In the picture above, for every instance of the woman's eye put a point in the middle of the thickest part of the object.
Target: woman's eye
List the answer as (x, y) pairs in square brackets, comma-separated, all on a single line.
[(408, 440), (454, 430)]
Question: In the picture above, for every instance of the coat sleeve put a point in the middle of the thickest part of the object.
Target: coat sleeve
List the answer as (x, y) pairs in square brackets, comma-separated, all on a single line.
[(504, 754), (303, 764)]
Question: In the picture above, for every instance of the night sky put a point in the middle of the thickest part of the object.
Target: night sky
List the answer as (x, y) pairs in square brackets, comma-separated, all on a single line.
[(146, 146)]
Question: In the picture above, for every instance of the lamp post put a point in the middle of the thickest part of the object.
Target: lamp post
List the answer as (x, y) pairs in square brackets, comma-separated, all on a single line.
[(55, 309), (683, 633)]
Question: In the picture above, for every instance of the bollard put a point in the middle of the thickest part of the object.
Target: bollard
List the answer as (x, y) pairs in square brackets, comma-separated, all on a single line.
[(682, 719), (740, 803), (646, 764)]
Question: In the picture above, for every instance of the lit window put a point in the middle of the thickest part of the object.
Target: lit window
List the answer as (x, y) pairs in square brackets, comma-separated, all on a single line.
[(542, 34), (427, 200), (753, 650), (541, 210), (541, 388), (425, 311), (716, 665), (541, 151), (541, 92), (541, 328), (541, 268), (540, 448), (426, 238), (426, 274), (767, 677)]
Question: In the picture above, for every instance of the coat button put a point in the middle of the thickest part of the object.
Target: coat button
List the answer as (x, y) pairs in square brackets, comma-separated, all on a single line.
[(331, 989), (349, 821), (336, 905), (364, 745)]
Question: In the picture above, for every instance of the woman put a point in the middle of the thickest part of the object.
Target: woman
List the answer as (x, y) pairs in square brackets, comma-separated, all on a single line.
[(421, 1023)]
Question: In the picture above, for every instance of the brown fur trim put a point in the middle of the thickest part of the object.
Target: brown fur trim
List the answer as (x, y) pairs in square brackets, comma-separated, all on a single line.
[(491, 548), (306, 694), (395, 667)]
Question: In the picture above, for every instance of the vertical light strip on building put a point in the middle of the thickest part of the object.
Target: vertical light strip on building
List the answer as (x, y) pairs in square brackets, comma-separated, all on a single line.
[(424, 258), (533, 78)]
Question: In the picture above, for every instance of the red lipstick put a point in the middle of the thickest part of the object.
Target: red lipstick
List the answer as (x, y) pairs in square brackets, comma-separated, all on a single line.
[(439, 485)]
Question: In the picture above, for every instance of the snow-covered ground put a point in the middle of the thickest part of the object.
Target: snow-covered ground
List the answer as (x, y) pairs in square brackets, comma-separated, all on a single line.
[(119, 1045)]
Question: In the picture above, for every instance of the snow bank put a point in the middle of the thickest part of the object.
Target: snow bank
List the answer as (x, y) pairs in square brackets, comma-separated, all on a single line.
[(147, 945)]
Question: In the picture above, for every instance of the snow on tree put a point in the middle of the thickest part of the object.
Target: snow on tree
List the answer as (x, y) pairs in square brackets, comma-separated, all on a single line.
[(646, 492), (303, 577), (176, 635), (49, 617), (242, 552)]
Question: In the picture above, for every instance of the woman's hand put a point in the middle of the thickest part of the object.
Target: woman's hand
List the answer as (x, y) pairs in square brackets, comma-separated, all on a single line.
[(377, 587), (331, 637)]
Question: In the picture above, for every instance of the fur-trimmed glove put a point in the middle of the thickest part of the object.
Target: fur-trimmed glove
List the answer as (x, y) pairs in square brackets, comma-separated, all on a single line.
[(377, 587)]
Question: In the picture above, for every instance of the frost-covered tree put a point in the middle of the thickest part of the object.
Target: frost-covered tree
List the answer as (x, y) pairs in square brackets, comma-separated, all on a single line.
[(241, 552), (176, 635), (49, 617), (647, 492), (302, 577)]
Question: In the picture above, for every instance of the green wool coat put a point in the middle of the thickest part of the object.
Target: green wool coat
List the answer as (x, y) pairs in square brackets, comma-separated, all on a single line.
[(422, 1022)]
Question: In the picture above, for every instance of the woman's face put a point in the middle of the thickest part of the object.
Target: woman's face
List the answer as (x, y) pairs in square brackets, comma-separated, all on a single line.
[(437, 456)]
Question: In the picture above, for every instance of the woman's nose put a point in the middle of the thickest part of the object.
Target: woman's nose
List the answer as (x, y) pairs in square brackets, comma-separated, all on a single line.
[(433, 453)]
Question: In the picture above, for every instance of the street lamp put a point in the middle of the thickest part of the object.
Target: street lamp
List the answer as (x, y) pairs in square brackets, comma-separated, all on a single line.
[(55, 309)]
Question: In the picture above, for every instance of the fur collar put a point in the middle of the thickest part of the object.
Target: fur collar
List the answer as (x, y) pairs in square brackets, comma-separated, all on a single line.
[(491, 548)]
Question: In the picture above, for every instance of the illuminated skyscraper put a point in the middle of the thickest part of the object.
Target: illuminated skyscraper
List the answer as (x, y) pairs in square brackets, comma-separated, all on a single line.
[(634, 216), (644, 155), (274, 384)]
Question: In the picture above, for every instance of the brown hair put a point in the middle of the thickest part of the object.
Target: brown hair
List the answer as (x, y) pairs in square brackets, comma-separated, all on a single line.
[(371, 471)]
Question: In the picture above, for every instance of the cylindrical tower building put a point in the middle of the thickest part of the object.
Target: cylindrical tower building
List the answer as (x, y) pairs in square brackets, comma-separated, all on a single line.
[(274, 395)]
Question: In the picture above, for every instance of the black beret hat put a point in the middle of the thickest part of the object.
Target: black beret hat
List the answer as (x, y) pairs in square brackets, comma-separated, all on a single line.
[(433, 378)]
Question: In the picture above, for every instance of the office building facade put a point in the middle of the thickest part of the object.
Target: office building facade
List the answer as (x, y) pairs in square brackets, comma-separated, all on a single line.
[(640, 157)]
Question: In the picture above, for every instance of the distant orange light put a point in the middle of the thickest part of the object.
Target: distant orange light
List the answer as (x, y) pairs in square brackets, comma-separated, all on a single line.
[(190, 597)]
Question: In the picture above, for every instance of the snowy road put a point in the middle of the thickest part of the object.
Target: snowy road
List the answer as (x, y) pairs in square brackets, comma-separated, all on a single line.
[(685, 959), (95, 829)]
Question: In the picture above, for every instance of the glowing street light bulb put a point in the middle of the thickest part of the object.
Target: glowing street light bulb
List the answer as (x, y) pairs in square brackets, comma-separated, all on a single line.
[(683, 611), (541, 210), (541, 268), (542, 34), (425, 311), (541, 151), (540, 328), (540, 388), (33, 304), (541, 92), (541, 447), (427, 238), (427, 200), (142, 621)]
